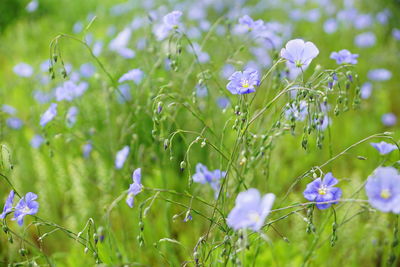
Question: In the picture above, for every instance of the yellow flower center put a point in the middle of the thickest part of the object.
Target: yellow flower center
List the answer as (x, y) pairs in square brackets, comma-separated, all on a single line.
[(26, 210), (254, 217), (385, 193), (245, 84), (323, 190)]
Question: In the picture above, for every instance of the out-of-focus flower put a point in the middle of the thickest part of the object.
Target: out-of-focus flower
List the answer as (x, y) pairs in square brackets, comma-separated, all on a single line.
[(227, 71), (223, 102), (170, 21), (250, 210), (379, 75), (70, 90), (135, 75), (396, 34), (203, 176), (298, 53), (323, 190), (71, 116), (49, 114), (383, 189), (383, 147), (26, 206), (37, 140), (298, 112), (32, 6), (134, 188), (23, 70), (8, 109), (8, 205), (330, 26), (87, 70), (366, 90), (243, 82), (87, 149), (366, 39), (14, 123), (247, 24), (121, 157), (344, 56), (389, 119)]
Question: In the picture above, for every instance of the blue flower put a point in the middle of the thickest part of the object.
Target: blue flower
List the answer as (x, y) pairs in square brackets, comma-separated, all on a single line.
[(383, 147), (298, 112), (366, 39), (87, 70), (37, 140), (23, 70), (87, 149), (250, 210), (26, 206), (121, 157), (14, 123), (71, 116), (243, 82), (223, 102), (344, 56), (134, 188), (8, 205), (70, 90), (383, 189), (389, 119), (298, 53), (172, 20), (323, 191), (135, 75), (205, 176), (246, 23), (49, 114), (379, 75)]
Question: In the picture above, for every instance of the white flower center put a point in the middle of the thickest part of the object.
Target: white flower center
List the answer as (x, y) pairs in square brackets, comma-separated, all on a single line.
[(254, 216), (323, 190), (26, 209)]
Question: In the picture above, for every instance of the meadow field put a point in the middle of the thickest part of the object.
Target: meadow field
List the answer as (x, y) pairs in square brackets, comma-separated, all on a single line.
[(199, 133)]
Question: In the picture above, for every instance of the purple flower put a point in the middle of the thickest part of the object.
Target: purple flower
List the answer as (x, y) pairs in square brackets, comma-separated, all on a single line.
[(379, 75), (383, 147), (243, 82), (227, 71), (396, 34), (366, 90), (344, 56), (8, 205), (23, 70), (203, 176), (70, 90), (223, 102), (87, 70), (366, 39), (121, 157), (172, 20), (298, 53), (14, 123), (135, 75), (26, 206), (87, 149), (389, 119), (134, 188), (37, 140), (298, 112), (246, 23), (49, 114), (121, 40), (323, 191), (250, 210), (330, 26), (71, 116), (383, 189), (8, 109)]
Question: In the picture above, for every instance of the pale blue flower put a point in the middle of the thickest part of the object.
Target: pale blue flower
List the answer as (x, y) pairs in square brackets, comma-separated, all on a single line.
[(389, 119), (49, 114), (250, 210), (121, 157), (383, 147), (135, 75), (26, 206), (323, 190), (344, 56), (23, 70), (298, 53), (243, 82), (134, 188), (8, 205), (383, 189)]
